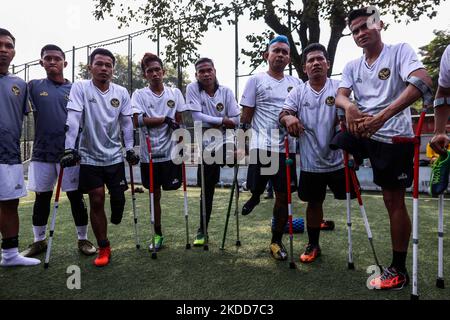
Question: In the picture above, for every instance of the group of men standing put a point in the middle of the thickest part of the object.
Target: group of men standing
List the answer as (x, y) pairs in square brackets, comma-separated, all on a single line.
[(78, 126)]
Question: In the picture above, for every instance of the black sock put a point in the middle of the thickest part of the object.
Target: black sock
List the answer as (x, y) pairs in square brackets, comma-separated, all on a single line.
[(9, 243), (399, 260), (313, 235), (103, 243), (158, 230), (276, 236)]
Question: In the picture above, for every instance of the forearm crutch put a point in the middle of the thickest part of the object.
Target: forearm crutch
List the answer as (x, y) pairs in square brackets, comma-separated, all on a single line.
[(440, 277), (364, 215), (350, 172), (348, 200), (135, 216), (289, 200), (55, 210), (151, 191), (416, 141), (230, 203), (186, 214)]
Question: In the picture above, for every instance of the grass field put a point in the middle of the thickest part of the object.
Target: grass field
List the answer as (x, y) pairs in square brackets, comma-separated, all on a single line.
[(247, 272)]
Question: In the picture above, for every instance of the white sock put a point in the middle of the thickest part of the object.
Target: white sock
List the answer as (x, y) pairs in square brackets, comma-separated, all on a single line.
[(11, 258), (39, 233), (82, 232)]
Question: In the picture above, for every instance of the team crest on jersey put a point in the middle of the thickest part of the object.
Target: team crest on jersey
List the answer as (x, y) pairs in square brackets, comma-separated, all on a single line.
[(384, 74), (330, 101), (15, 89), (115, 103), (290, 88), (44, 94), (171, 104), (220, 107)]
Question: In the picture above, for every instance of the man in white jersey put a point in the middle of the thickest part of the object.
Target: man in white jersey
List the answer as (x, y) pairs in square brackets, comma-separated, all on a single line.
[(216, 107), (14, 102), (262, 102), (103, 110), (49, 97), (385, 81), (155, 110), (310, 114), (440, 140)]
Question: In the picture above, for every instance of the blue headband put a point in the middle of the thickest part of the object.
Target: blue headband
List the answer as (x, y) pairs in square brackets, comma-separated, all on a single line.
[(279, 38)]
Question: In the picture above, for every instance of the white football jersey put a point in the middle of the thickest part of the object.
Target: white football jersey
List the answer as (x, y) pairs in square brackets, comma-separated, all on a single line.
[(145, 101), (444, 70), (100, 143), (222, 104), (267, 96), (317, 112), (376, 86)]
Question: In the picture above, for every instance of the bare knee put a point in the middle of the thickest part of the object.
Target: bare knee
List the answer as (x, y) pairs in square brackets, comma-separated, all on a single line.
[(97, 199)]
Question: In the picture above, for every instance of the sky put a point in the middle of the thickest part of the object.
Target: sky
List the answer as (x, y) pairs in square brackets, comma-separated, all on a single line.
[(70, 23)]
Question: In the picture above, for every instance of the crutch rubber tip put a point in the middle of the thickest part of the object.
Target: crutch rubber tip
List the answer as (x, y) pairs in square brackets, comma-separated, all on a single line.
[(440, 283), (414, 297), (154, 255), (188, 246), (138, 246), (205, 247), (351, 266), (292, 265), (45, 265), (238, 243)]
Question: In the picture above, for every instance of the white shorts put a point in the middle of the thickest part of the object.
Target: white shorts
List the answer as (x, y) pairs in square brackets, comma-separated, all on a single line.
[(12, 184), (42, 177)]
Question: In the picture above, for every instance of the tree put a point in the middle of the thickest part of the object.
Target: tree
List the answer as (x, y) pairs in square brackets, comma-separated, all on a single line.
[(432, 53), (183, 22), (121, 74)]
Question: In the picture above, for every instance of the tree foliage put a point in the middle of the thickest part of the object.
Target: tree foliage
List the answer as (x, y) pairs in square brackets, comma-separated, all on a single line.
[(302, 23), (432, 53), (120, 76)]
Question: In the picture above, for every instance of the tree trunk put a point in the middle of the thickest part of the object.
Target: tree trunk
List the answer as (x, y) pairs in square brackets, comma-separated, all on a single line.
[(338, 25)]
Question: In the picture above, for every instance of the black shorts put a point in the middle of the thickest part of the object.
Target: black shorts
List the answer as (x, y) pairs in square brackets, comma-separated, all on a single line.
[(392, 164), (256, 181), (312, 186), (166, 174), (93, 177), (212, 175)]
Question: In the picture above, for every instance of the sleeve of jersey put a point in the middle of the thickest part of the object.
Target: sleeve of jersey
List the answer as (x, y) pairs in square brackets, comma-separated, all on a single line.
[(73, 126), (346, 80), (193, 97), (407, 61), (291, 101), (181, 104), (32, 104), (27, 104), (126, 125), (248, 98), (444, 70), (200, 116), (136, 104), (232, 106), (76, 97), (126, 104)]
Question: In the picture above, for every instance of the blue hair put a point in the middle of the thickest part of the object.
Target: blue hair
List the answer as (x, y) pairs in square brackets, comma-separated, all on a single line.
[(280, 38)]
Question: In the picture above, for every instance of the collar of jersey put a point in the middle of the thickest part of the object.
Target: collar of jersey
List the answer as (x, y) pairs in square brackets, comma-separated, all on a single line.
[(284, 77), (154, 94), (100, 91), (321, 90), (376, 61)]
